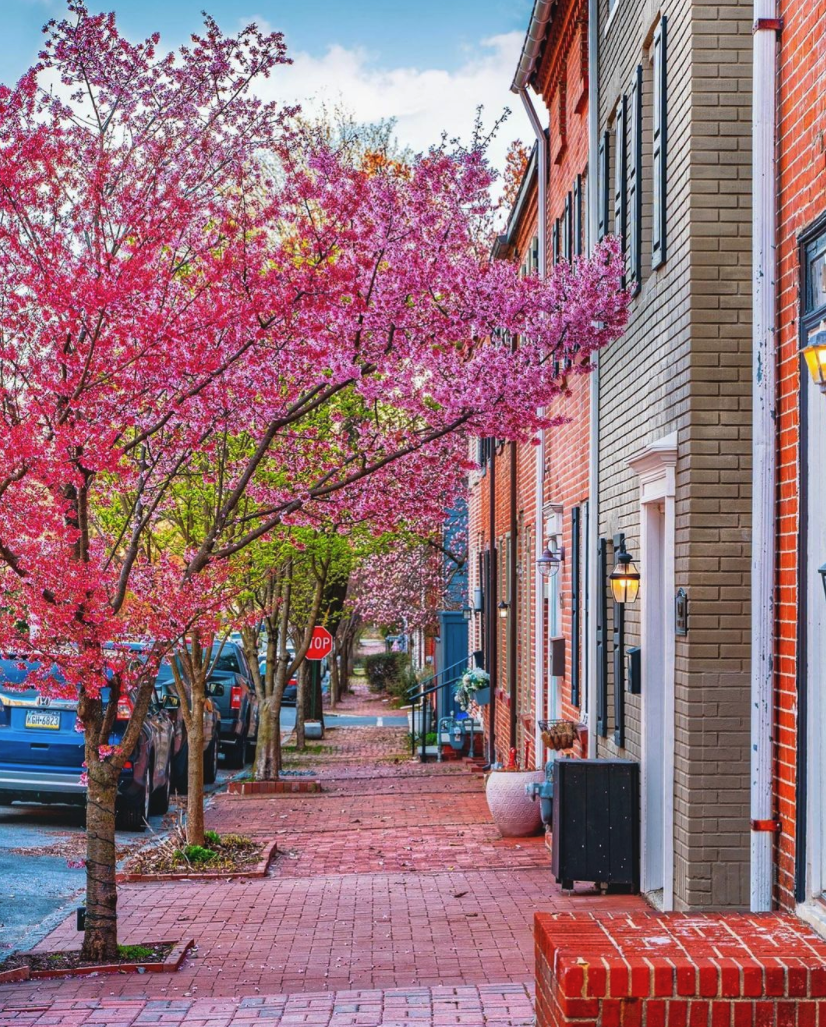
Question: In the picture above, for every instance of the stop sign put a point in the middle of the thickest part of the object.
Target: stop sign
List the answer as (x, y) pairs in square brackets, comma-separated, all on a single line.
[(321, 644)]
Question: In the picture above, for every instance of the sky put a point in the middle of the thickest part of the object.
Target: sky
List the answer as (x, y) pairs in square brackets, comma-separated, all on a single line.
[(428, 63)]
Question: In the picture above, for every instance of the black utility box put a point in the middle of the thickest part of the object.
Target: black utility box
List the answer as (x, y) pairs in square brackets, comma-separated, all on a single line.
[(596, 826)]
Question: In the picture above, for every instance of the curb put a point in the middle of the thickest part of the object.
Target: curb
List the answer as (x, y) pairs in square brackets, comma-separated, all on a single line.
[(171, 964), (273, 787), (259, 870)]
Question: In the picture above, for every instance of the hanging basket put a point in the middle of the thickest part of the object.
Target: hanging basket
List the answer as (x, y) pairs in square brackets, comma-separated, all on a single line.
[(558, 734)]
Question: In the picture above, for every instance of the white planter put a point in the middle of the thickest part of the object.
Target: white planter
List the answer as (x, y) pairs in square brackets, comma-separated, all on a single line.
[(514, 813)]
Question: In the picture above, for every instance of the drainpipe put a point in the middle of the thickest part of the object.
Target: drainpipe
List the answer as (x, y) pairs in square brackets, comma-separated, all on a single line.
[(593, 583), (539, 605), (493, 612), (764, 300)]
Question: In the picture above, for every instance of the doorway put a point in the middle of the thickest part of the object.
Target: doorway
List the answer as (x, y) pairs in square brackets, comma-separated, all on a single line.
[(655, 467)]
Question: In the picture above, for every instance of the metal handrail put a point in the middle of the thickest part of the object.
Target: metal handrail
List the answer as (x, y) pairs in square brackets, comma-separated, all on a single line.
[(416, 689), (417, 696)]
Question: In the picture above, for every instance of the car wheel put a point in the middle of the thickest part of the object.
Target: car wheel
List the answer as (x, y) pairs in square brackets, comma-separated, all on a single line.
[(211, 761), (159, 802), (235, 753), (133, 814)]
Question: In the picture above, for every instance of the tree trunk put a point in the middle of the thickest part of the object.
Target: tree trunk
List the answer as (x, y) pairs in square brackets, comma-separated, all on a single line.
[(334, 676), (195, 772), (268, 748), (301, 708), (100, 940)]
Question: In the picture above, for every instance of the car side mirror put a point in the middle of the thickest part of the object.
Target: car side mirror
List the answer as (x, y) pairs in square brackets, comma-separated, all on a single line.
[(171, 702), (216, 689)]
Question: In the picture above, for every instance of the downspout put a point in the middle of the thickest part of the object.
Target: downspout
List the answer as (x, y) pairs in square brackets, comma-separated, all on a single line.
[(493, 613), (539, 599), (764, 305), (593, 584)]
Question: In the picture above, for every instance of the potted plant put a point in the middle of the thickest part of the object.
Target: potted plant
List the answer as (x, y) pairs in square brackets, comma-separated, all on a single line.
[(473, 687), (507, 791)]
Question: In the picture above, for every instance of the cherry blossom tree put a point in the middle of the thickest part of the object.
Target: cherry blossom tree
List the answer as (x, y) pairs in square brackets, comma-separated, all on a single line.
[(310, 337)]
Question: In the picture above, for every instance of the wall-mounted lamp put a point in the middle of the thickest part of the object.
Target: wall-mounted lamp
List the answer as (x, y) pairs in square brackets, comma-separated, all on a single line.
[(822, 572), (467, 612), (503, 608), (624, 578), (552, 557), (815, 354)]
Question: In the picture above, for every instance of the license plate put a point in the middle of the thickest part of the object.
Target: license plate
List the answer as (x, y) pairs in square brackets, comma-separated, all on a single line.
[(43, 718)]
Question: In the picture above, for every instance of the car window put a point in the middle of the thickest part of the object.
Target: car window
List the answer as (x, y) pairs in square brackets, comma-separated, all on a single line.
[(228, 661)]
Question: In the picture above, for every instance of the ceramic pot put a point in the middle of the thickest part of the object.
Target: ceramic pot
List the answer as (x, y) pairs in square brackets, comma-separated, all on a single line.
[(514, 813)]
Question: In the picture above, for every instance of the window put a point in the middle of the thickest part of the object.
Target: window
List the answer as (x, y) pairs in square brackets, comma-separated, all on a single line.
[(534, 264), (556, 241), (658, 152), (576, 604), (604, 187), (634, 213), (577, 202), (620, 173), (567, 234)]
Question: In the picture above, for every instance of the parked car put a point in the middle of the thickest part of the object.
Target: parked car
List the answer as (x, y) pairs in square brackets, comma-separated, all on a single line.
[(290, 696), (42, 752), (165, 685), (237, 702)]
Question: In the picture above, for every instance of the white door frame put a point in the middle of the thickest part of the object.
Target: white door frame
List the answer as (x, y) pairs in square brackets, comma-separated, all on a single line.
[(813, 908), (655, 467)]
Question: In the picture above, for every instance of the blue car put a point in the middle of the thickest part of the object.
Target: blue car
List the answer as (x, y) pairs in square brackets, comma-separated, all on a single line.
[(42, 753)]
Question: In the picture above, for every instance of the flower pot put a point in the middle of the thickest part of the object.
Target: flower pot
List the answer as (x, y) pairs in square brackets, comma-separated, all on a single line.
[(514, 813), (482, 696)]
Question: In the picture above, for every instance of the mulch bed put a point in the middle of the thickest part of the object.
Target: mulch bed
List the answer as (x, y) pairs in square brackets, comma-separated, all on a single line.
[(172, 860), (151, 957)]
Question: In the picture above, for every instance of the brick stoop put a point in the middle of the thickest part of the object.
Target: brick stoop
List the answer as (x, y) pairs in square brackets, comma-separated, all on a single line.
[(678, 970)]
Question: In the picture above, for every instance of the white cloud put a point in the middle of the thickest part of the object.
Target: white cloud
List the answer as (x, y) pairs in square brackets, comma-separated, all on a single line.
[(424, 101)]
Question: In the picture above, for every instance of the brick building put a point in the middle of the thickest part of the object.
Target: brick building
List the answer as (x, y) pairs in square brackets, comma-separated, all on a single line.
[(539, 495)]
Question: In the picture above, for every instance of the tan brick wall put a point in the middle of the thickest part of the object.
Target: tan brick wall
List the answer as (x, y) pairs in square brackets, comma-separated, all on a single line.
[(684, 366)]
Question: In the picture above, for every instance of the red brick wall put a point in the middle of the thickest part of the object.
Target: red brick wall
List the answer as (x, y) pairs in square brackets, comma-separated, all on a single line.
[(626, 970), (802, 198)]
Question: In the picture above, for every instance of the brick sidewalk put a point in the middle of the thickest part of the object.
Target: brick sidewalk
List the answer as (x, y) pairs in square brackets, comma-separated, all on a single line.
[(395, 902)]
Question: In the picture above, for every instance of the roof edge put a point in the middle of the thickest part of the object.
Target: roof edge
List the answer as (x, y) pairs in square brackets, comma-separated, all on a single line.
[(532, 46)]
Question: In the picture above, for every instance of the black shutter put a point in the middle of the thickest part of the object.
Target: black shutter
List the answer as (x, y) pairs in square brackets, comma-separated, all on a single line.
[(578, 216), (604, 185), (658, 153), (602, 640), (634, 214), (569, 227), (576, 602), (556, 241), (620, 174), (619, 663)]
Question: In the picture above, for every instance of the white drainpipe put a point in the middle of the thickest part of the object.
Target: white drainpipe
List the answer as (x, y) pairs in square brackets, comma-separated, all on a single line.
[(539, 620), (764, 225), (593, 584)]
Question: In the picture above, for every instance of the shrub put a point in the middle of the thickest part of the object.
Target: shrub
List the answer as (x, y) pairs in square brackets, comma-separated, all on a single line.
[(212, 837), (198, 854), (384, 669)]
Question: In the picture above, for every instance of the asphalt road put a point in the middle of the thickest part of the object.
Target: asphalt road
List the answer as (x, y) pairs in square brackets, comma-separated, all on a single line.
[(38, 844)]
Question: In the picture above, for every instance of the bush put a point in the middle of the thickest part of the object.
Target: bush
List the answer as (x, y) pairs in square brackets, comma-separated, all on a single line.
[(197, 854), (212, 838), (384, 670)]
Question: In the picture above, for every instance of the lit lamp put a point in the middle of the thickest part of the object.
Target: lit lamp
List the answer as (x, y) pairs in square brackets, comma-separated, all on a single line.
[(503, 609), (822, 572), (551, 559), (467, 612), (815, 354), (624, 578)]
